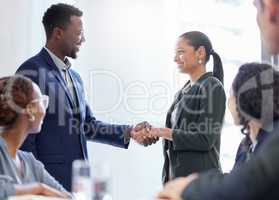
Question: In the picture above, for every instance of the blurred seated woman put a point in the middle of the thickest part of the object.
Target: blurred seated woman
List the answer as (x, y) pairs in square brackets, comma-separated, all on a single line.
[(253, 103), (22, 110)]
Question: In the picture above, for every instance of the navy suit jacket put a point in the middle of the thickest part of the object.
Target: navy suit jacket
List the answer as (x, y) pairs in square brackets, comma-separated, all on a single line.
[(65, 129)]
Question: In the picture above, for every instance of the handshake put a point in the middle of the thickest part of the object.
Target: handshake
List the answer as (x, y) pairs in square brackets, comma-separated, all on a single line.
[(142, 134)]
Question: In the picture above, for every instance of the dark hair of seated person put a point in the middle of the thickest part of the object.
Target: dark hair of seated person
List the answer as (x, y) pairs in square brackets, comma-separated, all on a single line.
[(250, 87), (256, 91)]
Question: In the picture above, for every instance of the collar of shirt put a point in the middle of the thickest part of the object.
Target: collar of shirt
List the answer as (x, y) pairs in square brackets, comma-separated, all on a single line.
[(253, 146), (192, 83), (17, 162), (62, 65)]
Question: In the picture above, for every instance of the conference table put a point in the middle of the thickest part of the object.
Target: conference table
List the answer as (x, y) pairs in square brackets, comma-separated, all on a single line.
[(33, 197)]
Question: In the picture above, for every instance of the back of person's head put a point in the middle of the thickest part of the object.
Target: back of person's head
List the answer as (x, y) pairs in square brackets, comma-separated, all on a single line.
[(59, 15), (256, 88), (198, 39), (15, 94)]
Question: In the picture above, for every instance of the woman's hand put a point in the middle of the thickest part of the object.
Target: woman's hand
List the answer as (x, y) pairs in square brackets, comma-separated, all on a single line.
[(161, 132), (39, 189)]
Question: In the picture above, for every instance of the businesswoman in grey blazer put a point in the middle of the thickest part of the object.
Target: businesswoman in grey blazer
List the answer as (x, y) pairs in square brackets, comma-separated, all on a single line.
[(22, 110), (193, 124)]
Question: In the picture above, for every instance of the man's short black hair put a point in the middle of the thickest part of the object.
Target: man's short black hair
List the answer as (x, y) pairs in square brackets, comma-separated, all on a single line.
[(58, 15)]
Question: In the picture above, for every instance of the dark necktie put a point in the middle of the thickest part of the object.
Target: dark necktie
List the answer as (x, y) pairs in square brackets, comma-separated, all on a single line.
[(69, 82)]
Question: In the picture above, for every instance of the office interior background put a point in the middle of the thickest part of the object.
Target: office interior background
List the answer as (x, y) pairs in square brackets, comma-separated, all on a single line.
[(128, 70)]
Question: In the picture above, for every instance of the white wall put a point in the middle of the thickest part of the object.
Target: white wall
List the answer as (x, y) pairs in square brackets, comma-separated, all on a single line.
[(126, 64), (14, 35), (126, 40)]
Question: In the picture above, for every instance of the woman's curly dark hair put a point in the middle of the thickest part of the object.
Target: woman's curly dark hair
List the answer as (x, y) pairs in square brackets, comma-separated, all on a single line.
[(15, 93), (256, 88)]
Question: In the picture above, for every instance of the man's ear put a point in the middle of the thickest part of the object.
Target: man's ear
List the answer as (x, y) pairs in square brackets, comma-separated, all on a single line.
[(57, 33)]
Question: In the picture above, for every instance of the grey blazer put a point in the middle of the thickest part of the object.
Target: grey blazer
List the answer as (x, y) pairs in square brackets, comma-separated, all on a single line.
[(33, 171), (196, 127)]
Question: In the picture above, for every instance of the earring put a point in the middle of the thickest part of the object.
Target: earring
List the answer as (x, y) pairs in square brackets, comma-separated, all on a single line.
[(200, 61), (32, 118)]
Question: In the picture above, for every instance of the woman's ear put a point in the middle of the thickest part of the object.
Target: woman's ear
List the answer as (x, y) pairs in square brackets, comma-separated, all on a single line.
[(201, 53)]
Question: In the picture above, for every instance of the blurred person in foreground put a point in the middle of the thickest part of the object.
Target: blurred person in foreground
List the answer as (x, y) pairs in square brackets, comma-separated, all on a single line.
[(258, 178)]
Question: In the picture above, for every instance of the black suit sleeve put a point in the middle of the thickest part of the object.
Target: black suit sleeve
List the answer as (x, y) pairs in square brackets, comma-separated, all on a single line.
[(250, 181)]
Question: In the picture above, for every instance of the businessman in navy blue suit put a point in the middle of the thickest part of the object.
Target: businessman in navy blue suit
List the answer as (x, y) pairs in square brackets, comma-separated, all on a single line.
[(69, 122)]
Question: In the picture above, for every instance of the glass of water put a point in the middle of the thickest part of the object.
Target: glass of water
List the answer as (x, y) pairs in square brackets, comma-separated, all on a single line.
[(102, 181), (81, 180)]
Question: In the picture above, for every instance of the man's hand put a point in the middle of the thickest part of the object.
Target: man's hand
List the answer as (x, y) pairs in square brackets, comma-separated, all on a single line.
[(140, 133), (173, 189)]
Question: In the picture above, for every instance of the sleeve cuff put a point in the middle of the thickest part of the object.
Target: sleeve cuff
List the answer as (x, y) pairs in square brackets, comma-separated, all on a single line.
[(127, 136), (7, 189), (11, 191), (176, 139)]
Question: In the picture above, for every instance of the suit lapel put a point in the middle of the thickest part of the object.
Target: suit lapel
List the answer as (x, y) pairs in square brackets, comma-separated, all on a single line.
[(188, 91), (176, 100), (179, 107), (167, 143), (57, 74), (176, 104), (77, 90)]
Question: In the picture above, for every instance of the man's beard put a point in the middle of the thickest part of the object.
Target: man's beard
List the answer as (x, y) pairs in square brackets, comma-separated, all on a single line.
[(73, 54)]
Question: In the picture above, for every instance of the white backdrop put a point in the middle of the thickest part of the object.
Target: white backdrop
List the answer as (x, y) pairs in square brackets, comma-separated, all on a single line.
[(128, 69)]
